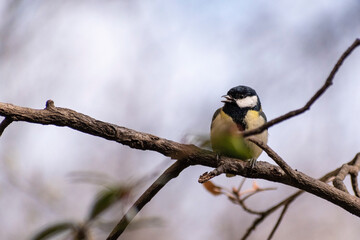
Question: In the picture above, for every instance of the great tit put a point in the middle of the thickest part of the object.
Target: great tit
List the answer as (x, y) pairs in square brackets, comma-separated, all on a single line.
[(241, 111)]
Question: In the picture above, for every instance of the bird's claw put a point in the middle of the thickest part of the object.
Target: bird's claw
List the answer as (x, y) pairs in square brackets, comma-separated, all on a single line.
[(252, 162)]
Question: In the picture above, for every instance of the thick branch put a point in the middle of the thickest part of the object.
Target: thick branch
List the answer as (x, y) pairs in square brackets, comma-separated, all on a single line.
[(193, 155), (57, 116)]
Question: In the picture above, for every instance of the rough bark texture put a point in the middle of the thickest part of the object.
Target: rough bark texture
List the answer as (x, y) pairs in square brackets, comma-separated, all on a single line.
[(193, 155)]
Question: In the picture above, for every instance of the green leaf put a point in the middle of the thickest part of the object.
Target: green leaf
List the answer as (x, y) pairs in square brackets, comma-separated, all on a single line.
[(106, 199), (53, 230)]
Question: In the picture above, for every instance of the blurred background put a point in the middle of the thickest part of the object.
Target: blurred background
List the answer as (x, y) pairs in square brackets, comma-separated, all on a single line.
[(161, 67)]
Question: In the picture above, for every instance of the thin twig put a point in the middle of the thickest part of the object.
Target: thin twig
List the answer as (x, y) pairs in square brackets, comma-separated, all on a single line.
[(354, 175), (339, 178), (241, 184), (172, 172), (355, 185), (348, 169), (257, 191), (266, 213), (241, 201), (327, 84), (209, 175), (273, 155), (282, 214)]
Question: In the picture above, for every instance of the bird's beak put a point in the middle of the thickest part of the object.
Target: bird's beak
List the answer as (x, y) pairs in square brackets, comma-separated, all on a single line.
[(227, 99)]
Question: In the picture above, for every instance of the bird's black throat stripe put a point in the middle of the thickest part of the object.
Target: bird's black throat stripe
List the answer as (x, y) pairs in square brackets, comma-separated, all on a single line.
[(237, 114)]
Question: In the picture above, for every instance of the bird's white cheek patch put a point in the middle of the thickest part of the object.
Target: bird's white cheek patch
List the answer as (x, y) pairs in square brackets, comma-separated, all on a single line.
[(247, 102)]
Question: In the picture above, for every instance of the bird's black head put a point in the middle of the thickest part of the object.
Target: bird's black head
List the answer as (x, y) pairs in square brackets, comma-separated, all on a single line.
[(240, 92), (242, 97), (238, 101)]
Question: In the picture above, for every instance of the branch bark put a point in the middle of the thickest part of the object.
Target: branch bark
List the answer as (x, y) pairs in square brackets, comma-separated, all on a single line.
[(348, 169), (61, 117), (52, 115)]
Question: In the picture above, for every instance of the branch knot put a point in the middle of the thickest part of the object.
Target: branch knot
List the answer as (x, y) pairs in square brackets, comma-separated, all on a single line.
[(49, 105)]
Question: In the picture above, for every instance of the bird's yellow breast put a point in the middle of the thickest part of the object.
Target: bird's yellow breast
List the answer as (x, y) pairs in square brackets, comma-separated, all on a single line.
[(223, 124), (223, 127), (253, 119)]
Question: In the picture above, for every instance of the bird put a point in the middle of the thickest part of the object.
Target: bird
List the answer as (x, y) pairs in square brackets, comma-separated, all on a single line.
[(241, 111)]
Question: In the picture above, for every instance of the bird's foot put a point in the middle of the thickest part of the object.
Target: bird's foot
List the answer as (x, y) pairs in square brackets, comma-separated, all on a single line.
[(252, 162), (218, 157)]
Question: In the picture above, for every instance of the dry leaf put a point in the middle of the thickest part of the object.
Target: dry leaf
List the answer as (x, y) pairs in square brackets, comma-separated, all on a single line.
[(212, 188)]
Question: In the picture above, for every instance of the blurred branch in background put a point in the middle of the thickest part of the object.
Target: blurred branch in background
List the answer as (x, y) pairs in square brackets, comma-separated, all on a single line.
[(112, 197), (172, 172)]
